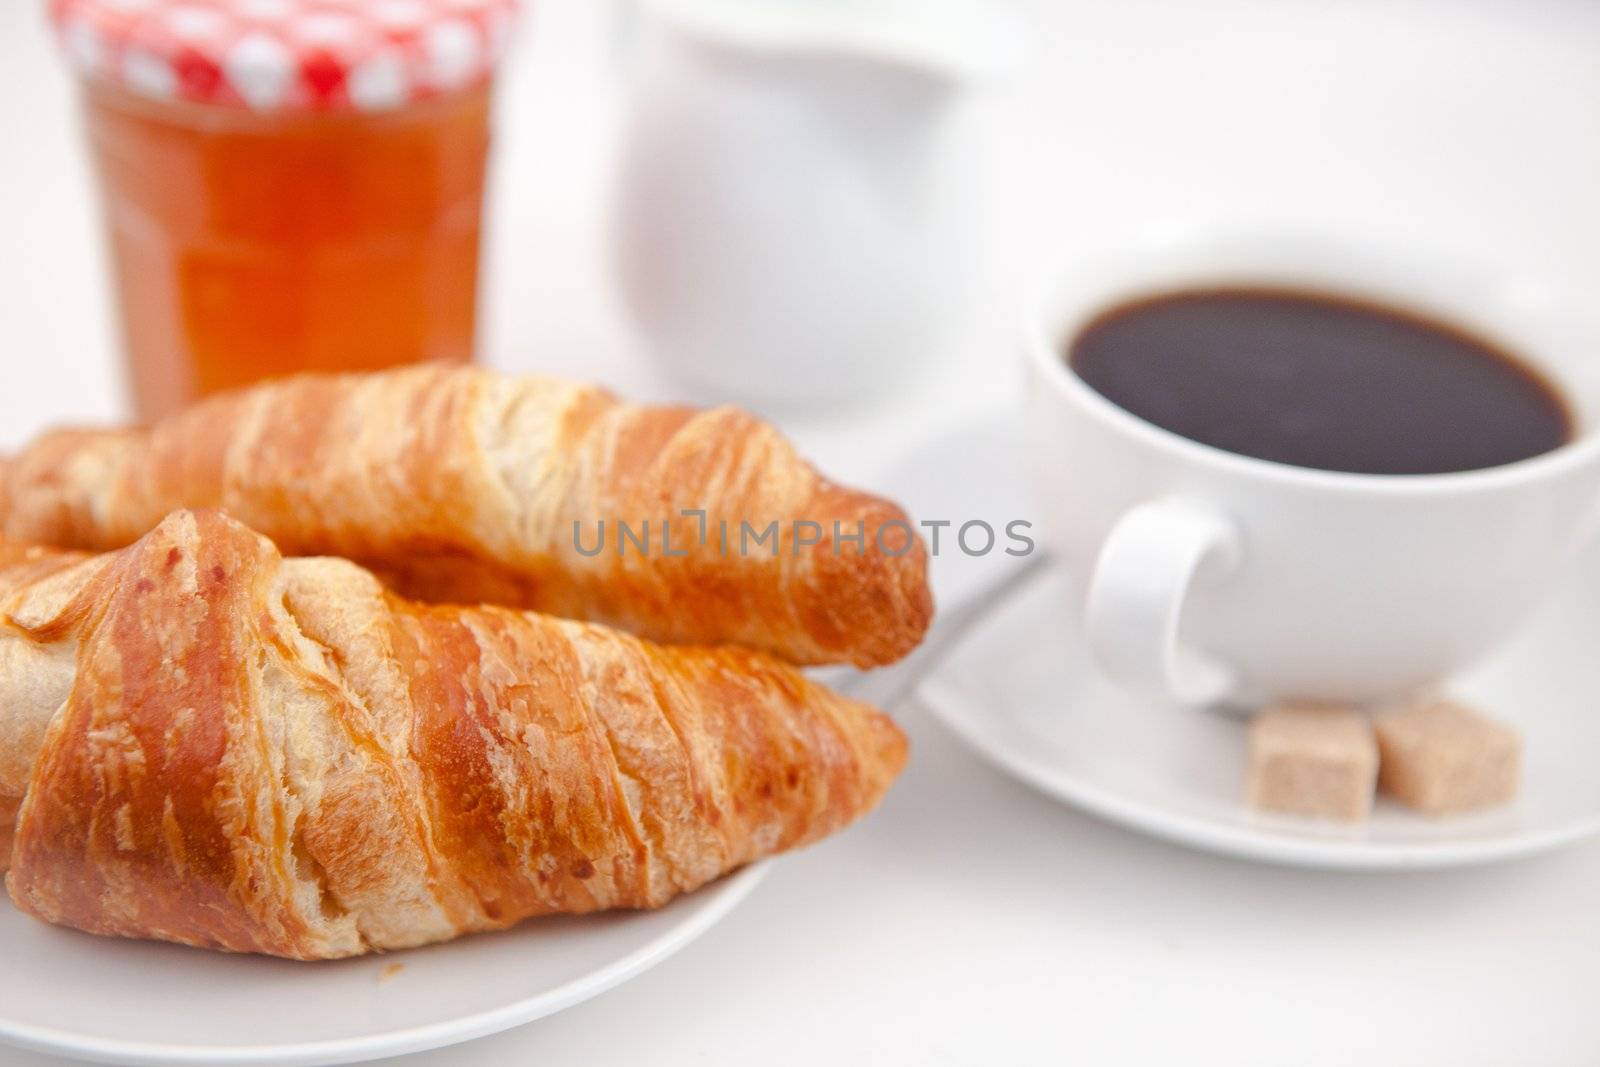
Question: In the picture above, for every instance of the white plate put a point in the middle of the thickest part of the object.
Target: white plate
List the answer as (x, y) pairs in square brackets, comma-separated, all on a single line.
[(1022, 692), (142, 1002)]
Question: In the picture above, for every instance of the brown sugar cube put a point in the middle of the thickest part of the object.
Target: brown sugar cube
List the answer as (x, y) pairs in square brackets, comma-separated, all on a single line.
[(1310, 760), (1441, 757)]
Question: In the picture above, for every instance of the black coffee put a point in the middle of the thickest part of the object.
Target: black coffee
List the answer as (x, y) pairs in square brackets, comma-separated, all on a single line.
[(1320, 381)]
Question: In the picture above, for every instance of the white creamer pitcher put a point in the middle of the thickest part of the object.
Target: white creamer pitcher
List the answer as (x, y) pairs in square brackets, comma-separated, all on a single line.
[(795, 218)]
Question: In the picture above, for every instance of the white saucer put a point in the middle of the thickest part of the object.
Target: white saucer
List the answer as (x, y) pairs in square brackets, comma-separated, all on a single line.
[(1021, 691), (143, 1002)]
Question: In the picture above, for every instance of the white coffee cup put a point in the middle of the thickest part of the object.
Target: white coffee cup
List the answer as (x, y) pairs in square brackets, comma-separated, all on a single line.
[(1213, 577)]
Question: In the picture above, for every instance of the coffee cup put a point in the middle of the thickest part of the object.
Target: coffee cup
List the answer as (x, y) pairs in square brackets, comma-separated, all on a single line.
[(1212, 577)]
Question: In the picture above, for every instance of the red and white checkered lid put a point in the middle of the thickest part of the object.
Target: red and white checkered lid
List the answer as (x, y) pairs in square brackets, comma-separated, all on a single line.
[(286, 55)]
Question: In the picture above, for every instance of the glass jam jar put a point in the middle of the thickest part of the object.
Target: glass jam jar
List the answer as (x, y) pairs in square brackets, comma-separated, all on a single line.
[(289, 185)]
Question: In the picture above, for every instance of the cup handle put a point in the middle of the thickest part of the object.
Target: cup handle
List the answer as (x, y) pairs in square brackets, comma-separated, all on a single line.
[(1137, 591)]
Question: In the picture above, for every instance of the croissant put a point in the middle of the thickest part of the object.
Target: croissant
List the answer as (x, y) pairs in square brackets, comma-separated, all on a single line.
[(204, 742), (461, 485)]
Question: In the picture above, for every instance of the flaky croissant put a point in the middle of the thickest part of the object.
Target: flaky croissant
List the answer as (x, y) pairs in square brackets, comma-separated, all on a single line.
[(203, 742), (462, 485)]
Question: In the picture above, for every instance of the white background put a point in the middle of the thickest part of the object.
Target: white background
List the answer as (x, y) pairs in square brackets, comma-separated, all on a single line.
[(969, 919)]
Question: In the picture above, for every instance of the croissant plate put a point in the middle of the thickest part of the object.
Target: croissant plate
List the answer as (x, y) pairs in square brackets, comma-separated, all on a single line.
[(204, 742)]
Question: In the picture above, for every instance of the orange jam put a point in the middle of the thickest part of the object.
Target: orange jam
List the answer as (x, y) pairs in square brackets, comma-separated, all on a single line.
[(247, 245)]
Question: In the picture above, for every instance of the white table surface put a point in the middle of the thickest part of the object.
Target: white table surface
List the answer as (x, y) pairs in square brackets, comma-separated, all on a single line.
[(969, 919)]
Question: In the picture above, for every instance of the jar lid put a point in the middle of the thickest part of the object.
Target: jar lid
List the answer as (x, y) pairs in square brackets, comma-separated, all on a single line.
[(286, 55)]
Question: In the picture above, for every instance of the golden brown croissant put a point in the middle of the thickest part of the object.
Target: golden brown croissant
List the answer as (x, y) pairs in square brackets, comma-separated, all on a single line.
[(462, 485), (214, 745)]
